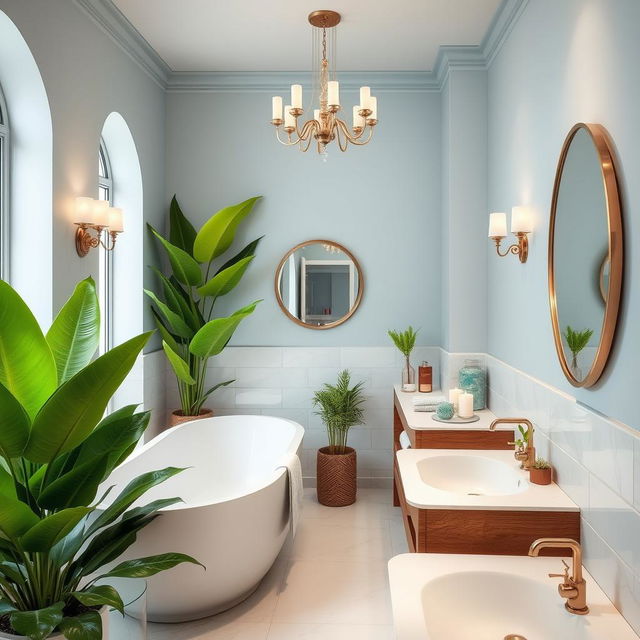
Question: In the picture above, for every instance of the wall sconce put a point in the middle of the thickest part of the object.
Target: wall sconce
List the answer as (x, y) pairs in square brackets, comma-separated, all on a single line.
[(97, 216), (520, 227)]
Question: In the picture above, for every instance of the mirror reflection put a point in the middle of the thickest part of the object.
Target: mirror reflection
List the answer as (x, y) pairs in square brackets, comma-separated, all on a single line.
[(319, 284)]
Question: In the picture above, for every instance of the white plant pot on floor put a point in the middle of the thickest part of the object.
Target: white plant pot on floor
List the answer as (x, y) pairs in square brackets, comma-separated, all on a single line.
[(104, 614)]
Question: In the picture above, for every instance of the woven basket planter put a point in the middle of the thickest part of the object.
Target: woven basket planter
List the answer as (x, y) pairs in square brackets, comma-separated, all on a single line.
[(336, 474), (177, 417)]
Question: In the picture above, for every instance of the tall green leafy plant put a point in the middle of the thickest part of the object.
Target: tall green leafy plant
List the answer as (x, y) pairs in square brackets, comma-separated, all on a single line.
[(341, 407), (405, 342), (55, 451), (183, 307), (577, 341)]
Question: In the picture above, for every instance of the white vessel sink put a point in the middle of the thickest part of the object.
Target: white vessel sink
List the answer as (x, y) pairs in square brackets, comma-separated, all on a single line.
[(472, 475), (466, 597)]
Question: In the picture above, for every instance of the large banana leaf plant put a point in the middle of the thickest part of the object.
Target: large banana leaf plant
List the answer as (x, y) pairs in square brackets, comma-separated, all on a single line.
[(56, 449), (184, 306)]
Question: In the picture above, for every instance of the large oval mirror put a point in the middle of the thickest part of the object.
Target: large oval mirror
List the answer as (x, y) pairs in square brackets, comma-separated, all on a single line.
[(319, 284), (585, 254)]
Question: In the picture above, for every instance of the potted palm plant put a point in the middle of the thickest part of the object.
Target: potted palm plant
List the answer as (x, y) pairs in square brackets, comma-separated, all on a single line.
[(340, 407), (183, 308), (405, 341), (56, 449), (577, 341)]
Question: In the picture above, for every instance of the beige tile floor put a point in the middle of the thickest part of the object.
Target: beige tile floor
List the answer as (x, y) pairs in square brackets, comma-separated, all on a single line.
[(330, 584)]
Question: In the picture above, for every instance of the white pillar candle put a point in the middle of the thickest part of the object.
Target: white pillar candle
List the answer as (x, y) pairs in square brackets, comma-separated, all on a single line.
[(453, 397), (115, 219), (316, 114), (373, 105), (520, 220), (465, 405), (358, 120), (276, 108), (497, 225), (333, 92), (365, 94), (289, 120), (296, 96)]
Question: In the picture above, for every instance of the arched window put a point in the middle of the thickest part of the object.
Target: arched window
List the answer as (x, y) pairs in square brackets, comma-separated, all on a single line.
[(105, 269), (4, 189)]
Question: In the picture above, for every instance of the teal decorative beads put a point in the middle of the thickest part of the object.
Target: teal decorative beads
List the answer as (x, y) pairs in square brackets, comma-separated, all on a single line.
[(444, 411), (472, 378)]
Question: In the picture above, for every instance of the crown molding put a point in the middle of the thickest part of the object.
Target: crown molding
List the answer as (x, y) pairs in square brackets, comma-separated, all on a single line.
[(113, 22), (463, 58)]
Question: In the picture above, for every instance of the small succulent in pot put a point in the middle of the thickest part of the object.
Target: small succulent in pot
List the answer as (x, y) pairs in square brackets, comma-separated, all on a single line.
[(540, 472)]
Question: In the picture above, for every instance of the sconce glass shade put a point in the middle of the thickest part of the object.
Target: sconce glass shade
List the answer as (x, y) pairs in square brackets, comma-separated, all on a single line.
[(520, 220), (84, 210), (115, 220), (497, 225)]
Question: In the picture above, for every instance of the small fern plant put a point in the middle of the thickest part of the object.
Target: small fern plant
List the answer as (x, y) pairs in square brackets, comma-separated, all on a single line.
[(405, 341), (541, 463), (577, 341), (341, 407)]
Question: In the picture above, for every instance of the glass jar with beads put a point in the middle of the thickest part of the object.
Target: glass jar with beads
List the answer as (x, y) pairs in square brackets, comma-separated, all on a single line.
[(472, 378)]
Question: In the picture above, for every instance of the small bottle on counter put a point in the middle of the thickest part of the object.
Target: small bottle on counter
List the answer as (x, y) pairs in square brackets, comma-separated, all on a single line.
[(425, 377)]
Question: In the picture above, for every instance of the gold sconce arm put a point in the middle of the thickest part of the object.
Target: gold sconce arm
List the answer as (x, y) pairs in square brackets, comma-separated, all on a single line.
[(86, 240), (520, 249)]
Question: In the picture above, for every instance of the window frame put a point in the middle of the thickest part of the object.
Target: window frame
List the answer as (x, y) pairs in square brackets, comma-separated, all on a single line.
[(105, 267), (5, 168)]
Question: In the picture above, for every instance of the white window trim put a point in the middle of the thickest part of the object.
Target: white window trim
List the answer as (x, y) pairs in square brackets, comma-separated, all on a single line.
[(105, 284), (5, 168)]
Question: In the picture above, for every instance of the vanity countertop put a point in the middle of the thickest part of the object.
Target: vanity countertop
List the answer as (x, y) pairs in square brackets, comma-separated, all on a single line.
[(423, 420), (531, 497)]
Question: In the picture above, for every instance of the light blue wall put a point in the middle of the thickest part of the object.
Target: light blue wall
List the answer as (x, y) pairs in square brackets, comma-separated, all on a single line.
[(563, 62), (381, 201)]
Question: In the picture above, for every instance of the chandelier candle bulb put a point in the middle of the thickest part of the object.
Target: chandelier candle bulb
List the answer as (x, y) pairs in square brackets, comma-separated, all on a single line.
[(365, 94), (296, 96), (289, 119), (497, 225), (333, 92), (276, 108), (316, 114), (373, 105)]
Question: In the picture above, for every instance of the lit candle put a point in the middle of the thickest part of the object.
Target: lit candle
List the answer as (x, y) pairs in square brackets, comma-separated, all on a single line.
[(296, 96), (358, 120), (115, 219), (497, 225), (453, 397), (276, 107), (84, 210), (100, 215), (365, 94), (373, 105), (333, 92), (520, 220), (465, 405), (289, 120)]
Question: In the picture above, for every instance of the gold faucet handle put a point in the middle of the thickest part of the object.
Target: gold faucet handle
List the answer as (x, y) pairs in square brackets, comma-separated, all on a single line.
[(564, 575)]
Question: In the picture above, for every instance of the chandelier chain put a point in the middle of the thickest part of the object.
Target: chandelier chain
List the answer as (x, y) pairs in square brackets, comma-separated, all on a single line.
[(324, 43)]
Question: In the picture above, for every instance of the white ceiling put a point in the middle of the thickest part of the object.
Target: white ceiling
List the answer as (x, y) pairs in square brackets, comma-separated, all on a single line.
[(274, 35)]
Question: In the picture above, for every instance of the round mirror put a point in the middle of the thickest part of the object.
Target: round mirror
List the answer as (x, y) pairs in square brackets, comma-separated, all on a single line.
[(585, 254), (319, 284)]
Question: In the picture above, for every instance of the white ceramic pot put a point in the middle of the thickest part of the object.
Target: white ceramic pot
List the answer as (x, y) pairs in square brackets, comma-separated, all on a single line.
[(104, 614)]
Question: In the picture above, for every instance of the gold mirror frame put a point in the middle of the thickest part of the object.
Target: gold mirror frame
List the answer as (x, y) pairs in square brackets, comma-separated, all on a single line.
[(604, 148), (344, 318)]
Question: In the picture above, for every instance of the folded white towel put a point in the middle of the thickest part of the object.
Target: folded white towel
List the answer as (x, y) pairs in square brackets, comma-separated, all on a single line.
[(426, 408), (428, 399), (405, 443), (296, 492)]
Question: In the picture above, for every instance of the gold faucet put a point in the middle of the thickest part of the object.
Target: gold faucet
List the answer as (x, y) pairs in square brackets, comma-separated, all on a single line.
[(573, 588), (528, 456)]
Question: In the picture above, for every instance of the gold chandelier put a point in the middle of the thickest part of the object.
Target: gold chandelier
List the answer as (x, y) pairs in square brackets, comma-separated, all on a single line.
[(325, 125)]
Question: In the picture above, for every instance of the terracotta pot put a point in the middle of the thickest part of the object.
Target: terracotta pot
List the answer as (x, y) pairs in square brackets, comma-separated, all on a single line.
[(177, 417), (336, 474), (540, 476), (104, 614)]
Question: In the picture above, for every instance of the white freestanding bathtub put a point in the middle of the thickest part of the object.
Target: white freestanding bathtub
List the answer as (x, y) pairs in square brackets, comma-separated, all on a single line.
[(235, 516)]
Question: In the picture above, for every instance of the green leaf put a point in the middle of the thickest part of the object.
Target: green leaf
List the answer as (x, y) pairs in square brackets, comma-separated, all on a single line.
[(224, 282), (218, 232), (177, 324), (249, 250), (181, 231), (50, 530), (213, 337), (37, 625), (103, 594), (77, 488), (149, 566), (14, 433), (151, 508), (65, 549), (176, 300), (75, 408), (136, 488), (184, 267), (179, 366), (75, 333), (215, 387), (86, 626), (15, 517), (27, 367), (7, 486), (6, 607), (165, 334)]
